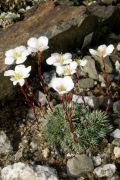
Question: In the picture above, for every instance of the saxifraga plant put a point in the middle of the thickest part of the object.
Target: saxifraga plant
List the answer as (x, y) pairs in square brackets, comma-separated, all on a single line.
[(90, 128)]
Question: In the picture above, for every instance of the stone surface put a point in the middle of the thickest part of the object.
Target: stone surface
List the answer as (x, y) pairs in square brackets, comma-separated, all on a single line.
[(108, 1), (42, 98), (5, 146), (109, 14), (79, 164), (116, 152), (65, 26), (90, 67), (105, 171), (91, 101), (116, 133), (47, 76), (86, 83), (101, 11), (97, 160), (117, 121), (116, 142), (24, 172), (116, 107)]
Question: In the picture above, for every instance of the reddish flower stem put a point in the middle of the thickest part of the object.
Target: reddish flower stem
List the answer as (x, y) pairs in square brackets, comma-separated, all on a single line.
[(41, 79), (106, 84), (34, 98), (68, 118), (30, 104)]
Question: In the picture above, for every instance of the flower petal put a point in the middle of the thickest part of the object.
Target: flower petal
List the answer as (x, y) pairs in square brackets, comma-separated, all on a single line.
[(102, 48), (109, 49), (93, 52), (60, 70), (43, 40), (21, 60), (50, 60), (21, 82), (73, 64), (32, 42), (67, 56), (9, 60), (20, 68), (20, 49), (9, 73), (68, 83), (9, 53)]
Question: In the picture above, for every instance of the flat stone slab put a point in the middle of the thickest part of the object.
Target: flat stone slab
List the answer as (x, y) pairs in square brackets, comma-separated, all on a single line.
[(65, 26)]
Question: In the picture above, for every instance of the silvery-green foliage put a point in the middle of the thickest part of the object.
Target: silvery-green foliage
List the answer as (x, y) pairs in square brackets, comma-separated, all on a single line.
[(91, 127)]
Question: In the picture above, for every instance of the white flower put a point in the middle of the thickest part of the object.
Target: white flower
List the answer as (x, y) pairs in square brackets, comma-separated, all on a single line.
[(117, 66), (67, 69), (17, 55), (102, 50), (57, 59), (19, 74), (62, 85), (82, 62), (118, 47), (39, 44)]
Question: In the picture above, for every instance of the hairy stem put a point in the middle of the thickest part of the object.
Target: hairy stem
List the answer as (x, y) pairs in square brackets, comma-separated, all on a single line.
[(34, 98), (30, 104), (106, 84), (41, 79), (68, 117)]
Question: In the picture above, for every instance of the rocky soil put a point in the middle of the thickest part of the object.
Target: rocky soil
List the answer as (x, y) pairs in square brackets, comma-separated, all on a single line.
[(71, 26)]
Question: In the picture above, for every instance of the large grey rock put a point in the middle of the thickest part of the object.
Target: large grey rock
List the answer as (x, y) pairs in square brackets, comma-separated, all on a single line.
[(105, 171), (65, 26), (116, 107), (90, 67), (23, 171), (86, 83), (80, 164), (108, 14), (91, 101), (116, 133), (5, 145), (102, 11)]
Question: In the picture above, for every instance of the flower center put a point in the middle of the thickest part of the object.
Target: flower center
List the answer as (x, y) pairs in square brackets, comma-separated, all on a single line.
[(17, 55), (60, 88), (60, 59), (102, 53), (18, 76), (67, 70)]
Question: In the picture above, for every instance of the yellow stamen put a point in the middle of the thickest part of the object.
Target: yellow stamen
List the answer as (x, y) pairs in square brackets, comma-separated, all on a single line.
[(18, 76), (60, 59), (17, 55), (60, 88), (67, 70)]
